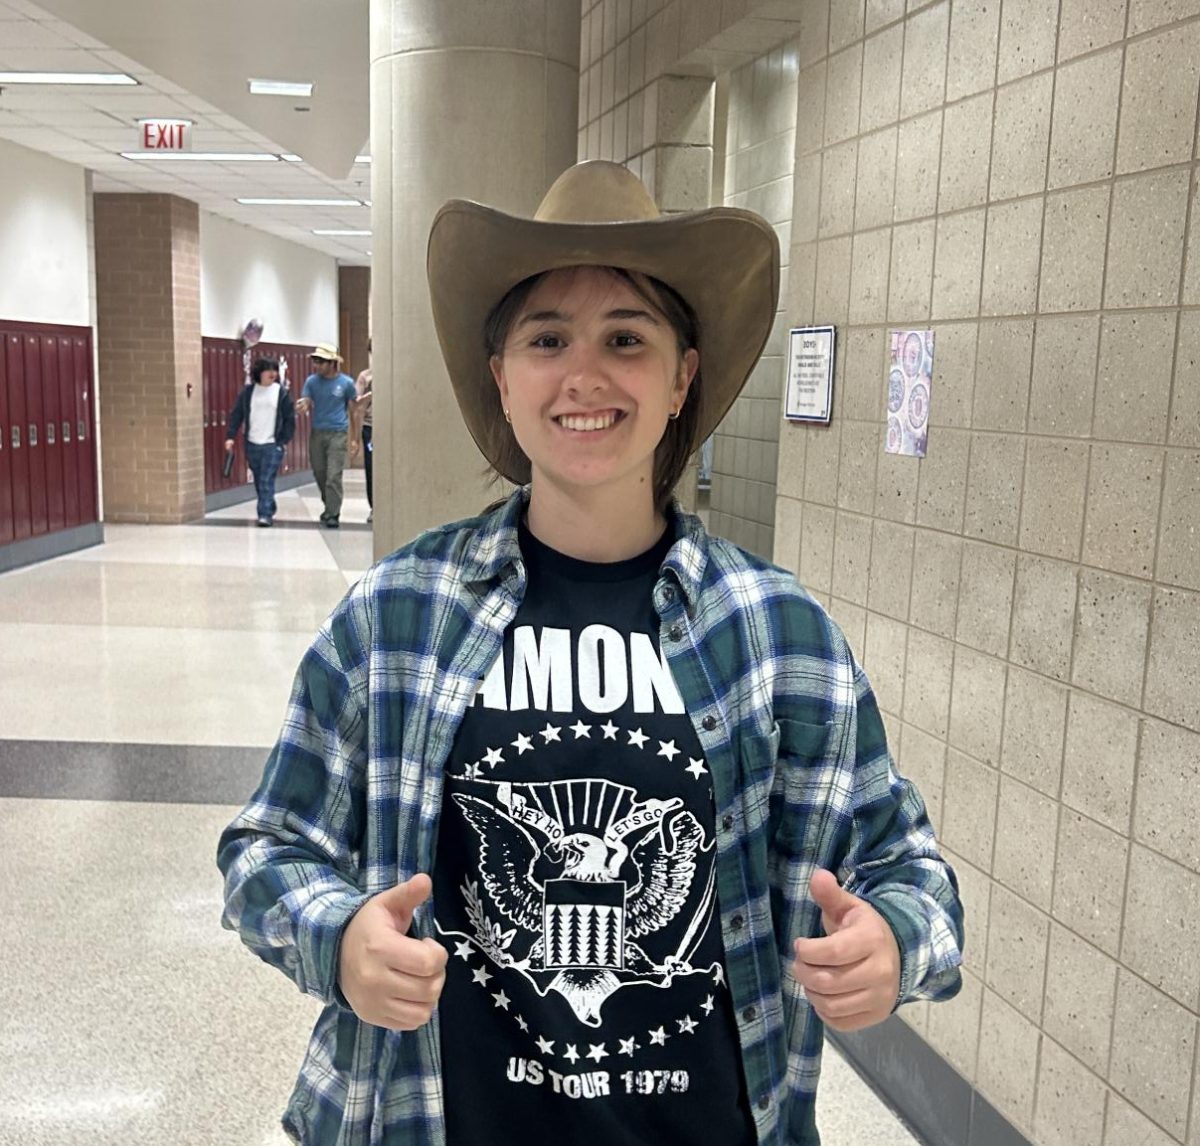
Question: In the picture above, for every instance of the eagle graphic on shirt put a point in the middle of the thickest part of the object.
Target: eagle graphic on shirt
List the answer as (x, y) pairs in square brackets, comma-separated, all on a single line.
[(586, 873)]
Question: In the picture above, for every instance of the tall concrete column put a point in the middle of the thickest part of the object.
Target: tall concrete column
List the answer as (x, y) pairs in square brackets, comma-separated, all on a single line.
[(470, 100)]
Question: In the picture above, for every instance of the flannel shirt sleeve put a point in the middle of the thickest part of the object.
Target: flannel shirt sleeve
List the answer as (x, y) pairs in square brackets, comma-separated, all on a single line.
[(291, 857), (894, 863)]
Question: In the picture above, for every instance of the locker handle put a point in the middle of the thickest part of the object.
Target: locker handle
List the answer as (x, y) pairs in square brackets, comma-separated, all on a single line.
[(81, 435), (32, 435), (66, 433), (16, 437), (50, 434)]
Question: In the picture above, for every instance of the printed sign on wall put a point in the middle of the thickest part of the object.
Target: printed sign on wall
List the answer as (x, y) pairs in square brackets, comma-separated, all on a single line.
[(909, 382), (810, 358)]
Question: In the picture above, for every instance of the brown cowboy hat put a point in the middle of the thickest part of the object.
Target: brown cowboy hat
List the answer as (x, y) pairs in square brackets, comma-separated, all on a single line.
[(724, 262)]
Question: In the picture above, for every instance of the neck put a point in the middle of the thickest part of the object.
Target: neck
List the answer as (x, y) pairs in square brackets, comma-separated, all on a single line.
[(593, 525)]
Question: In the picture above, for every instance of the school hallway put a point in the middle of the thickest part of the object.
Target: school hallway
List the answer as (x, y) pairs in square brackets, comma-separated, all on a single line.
[(129, 1016)]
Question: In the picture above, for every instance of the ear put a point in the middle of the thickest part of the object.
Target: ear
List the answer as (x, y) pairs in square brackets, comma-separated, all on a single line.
[(496, 365), (689, 363)]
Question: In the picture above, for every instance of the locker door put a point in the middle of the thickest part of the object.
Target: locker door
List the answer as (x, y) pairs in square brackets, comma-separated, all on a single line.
[(35, 435), (68, 448), (81, 408), (207, 406), (18, 428), (6, 506), (51, 453)]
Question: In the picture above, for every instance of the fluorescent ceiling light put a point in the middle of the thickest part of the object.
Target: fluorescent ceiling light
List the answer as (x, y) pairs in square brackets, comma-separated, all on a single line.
[(280, 88), (90, 78), (300, 202), (362, 159), (292, 158), (205, 156), (341, 232)]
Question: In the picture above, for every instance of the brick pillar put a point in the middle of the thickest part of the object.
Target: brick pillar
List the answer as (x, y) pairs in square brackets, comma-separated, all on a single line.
[(148, 328), (354, 302)]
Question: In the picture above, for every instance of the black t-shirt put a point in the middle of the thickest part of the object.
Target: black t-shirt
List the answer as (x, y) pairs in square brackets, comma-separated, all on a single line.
[(574, 885)]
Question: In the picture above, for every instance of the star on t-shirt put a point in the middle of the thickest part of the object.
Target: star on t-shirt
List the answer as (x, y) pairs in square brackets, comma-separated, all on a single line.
[(522, 744), (610, 730), (550, 733), (708, 1005), (639, 738), (659, 1037), (686, 1025), (596, 1052), (571, 1054), (463, 950), (480, 976), (582, 731), (544, 1044), (502, 1000), (696, 767), (522, 1023), (668, 750), (629, 1046), (493, 756)]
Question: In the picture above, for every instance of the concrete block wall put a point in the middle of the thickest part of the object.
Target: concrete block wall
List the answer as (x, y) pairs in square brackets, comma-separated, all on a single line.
[(147, 251), (1021, 176)]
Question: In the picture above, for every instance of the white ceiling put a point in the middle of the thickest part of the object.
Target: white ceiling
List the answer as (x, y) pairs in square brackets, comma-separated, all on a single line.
[(195, 66)]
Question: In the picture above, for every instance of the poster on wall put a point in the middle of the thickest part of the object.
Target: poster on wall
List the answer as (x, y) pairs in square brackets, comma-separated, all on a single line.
[(810, 374), (909, 382)]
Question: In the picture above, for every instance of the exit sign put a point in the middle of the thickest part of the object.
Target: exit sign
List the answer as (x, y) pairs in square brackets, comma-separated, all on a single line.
[(165, 134)]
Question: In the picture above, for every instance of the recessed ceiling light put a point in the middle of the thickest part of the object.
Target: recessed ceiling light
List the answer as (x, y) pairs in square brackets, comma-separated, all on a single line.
[(205, 156), (90, 78), (362, 159), (280, 88), (300, 202), (341, 232)]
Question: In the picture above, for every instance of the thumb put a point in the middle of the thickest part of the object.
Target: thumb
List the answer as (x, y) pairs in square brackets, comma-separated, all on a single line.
[(404, 899), (831, 898)]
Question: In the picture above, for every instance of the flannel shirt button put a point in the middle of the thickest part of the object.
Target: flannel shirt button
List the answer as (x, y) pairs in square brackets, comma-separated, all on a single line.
[(708, 723), (737, 923), (674, 633), (668, 594), (764, 1102), (750, 1014), (727, 823)]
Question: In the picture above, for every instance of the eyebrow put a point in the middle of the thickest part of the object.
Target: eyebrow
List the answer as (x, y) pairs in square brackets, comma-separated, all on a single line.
[(623, 315)]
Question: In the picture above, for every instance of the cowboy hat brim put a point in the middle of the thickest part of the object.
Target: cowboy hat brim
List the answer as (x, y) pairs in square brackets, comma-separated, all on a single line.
[(723, 261)]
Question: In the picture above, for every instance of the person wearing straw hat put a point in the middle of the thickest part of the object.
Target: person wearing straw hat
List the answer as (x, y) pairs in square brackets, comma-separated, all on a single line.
[(329, 393), (582, 823)]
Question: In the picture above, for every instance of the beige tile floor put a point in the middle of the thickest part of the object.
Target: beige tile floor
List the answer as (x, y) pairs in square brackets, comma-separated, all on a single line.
[(128, 1017)]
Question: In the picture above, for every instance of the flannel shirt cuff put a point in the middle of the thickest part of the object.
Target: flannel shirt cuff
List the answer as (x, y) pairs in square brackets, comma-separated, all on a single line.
[(319, 942), (911, 929)]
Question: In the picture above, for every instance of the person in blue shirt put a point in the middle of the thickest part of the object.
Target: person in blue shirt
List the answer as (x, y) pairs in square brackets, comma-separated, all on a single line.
[(328, 393)]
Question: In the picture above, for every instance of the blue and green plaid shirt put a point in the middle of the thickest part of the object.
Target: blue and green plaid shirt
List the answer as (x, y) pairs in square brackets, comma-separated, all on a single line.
[(351, 795)]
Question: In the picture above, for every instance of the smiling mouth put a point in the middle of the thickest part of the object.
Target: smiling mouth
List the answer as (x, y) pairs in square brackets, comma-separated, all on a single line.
[(589, 423)]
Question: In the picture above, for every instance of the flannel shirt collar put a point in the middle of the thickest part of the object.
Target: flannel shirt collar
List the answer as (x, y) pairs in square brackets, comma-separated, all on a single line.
[(497, 552)]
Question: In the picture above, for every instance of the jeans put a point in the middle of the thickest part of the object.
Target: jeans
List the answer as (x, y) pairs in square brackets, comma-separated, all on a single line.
[(327, 452), (265, 461), (368, 456)]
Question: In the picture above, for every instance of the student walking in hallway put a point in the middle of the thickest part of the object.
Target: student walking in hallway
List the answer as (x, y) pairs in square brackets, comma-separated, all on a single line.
[(269, 415), (329, 393)]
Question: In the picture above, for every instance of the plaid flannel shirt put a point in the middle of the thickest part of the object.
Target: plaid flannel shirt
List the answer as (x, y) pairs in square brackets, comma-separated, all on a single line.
[(352, 792)]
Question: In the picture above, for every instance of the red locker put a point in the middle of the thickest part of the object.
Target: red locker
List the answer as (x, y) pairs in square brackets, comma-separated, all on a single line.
[(18, 428), (35, 435), (6, 505), (52, 459), (80, 411), (68, 450)]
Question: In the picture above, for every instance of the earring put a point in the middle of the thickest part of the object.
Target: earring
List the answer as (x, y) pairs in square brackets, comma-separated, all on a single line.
[(673, 415), (507, 416)]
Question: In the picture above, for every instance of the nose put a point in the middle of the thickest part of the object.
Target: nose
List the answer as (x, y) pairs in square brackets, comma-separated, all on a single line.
[(585, 371)]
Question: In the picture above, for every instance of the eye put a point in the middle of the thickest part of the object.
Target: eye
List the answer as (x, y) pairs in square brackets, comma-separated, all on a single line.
[(547, 342), (626, 340)]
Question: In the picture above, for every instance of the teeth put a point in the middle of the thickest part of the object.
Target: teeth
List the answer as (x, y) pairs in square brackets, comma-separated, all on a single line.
[(586, 423)]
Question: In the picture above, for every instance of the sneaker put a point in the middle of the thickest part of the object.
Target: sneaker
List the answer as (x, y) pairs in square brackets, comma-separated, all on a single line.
[(370, 516), (331, 522), (264, 523)]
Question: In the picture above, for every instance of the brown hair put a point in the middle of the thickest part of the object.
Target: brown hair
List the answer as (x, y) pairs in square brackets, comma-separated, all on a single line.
[(678, 441)]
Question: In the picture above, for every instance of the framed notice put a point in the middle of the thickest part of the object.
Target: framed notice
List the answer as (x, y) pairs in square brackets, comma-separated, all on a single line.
[(810, 374)]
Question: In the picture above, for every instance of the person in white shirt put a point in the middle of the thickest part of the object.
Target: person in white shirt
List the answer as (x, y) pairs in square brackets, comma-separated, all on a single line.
[(266, 409)]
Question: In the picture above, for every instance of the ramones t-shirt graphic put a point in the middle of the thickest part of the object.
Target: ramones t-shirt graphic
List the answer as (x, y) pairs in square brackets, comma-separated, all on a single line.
[(574, 885)]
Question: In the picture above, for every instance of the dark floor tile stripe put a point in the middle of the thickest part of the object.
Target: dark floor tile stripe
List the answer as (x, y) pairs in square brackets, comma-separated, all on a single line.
[(145, 773), (251, 523)]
